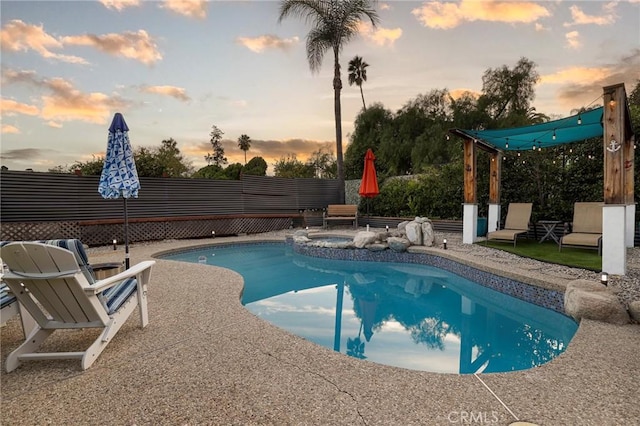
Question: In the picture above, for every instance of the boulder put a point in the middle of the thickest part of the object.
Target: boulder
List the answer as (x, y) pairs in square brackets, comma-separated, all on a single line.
[(398, 244), (634, 310), (403, 225), (377, 247), (362, 238), (414, 233), (590, 300), (428, 235), (301, 239)]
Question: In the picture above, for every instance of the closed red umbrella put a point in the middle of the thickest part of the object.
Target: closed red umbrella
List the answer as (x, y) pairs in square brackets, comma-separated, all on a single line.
[(369, 184)]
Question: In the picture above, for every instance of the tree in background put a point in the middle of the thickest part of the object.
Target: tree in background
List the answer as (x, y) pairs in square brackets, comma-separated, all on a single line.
[(323, 163), (334, 23), (358, 75), (255, 167), (217, 158), (291, 167), (370, 125), (172, 161), (244, 143), (88, 168), (507, 95)]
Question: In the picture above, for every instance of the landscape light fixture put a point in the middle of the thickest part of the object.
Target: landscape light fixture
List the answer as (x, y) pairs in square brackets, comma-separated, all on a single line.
[(444, 243), (554, 135), (213, 234), (114, 244), (604, 278), (387, 227), (579, 119)]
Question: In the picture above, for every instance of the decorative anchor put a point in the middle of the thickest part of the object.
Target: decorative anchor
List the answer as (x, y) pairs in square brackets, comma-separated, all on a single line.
[(614, 146)]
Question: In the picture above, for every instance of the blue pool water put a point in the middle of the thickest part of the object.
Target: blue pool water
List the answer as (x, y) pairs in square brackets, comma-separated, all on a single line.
[(405, 315)]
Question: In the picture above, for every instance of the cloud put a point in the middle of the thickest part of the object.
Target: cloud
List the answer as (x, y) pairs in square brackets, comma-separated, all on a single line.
[(22, 154), (450, 15), (573, 40), (9, 129), (64, 102), (188, 8), (380, 36), (120, 5), (268, 41), (18, 36), (583, 86), (175, 92), (134, 45), (607, 17), (385, 6), (10, 107)]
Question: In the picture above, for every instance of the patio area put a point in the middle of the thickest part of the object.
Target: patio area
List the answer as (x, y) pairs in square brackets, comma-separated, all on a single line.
[(204, 359)]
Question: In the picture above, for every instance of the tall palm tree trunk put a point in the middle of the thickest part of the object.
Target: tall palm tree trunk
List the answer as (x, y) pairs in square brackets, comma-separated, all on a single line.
[(362, 95), (337, 87)]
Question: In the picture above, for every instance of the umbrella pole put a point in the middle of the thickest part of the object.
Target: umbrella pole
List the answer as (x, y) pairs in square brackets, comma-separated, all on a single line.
[(126, 235)]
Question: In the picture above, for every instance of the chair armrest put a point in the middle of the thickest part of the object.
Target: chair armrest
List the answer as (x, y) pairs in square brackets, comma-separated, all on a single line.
[(135, 270)]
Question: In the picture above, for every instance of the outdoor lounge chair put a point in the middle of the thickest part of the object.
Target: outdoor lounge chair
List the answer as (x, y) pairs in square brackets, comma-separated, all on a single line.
[(49, 283), (516, 224), (586, 229)]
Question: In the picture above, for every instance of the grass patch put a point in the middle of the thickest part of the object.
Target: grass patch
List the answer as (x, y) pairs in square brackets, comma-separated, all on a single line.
[(548, 252)]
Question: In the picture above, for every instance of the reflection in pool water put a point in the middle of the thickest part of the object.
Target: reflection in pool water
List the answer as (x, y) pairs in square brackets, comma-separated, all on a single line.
[(406, 315)]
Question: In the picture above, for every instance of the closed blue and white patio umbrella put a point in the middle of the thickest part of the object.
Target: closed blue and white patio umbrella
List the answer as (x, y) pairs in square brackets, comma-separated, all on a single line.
[(119, 176)]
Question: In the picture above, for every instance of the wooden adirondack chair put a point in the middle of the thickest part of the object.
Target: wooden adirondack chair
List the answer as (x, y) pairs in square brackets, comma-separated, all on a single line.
[(50, 285)]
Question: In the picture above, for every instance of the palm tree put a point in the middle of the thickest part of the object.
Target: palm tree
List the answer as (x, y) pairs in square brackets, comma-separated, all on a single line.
[(244, 143), (334, 23), (358, 74)]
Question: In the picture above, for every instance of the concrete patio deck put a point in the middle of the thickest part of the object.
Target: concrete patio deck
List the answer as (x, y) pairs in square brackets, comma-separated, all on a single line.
[(204, 359)]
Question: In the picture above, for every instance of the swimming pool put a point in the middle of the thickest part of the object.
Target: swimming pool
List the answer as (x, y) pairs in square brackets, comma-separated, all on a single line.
[(413, 316)]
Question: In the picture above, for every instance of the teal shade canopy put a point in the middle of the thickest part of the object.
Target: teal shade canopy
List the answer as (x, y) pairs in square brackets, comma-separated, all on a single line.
[(576, 128)]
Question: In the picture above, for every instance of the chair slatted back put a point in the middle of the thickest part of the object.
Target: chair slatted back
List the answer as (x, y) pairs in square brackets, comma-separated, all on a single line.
[(518, 216), (52, 277), (587, 217)]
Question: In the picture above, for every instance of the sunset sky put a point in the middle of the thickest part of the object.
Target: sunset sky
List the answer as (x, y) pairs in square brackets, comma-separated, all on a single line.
[(174, 68)]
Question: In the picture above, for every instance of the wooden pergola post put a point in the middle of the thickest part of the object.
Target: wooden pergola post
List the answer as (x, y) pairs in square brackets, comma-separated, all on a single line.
[(495, 176), (470, 208), (616, 195)]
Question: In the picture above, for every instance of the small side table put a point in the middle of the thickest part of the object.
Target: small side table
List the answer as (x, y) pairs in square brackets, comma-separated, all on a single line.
[(550, 227), (106, 270)]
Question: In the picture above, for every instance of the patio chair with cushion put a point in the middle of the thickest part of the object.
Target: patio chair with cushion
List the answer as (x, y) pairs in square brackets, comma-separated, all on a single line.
[(50, 284), (516, 224), (586, 229)]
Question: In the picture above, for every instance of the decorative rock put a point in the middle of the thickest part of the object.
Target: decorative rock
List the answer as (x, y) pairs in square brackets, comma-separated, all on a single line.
[(428, 235), (363, 238), (398, 244), (377, 247), (634, 310), (403, 225), (301, 239), (301, 233), (420, 220), (585, 299), (414, 233)]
